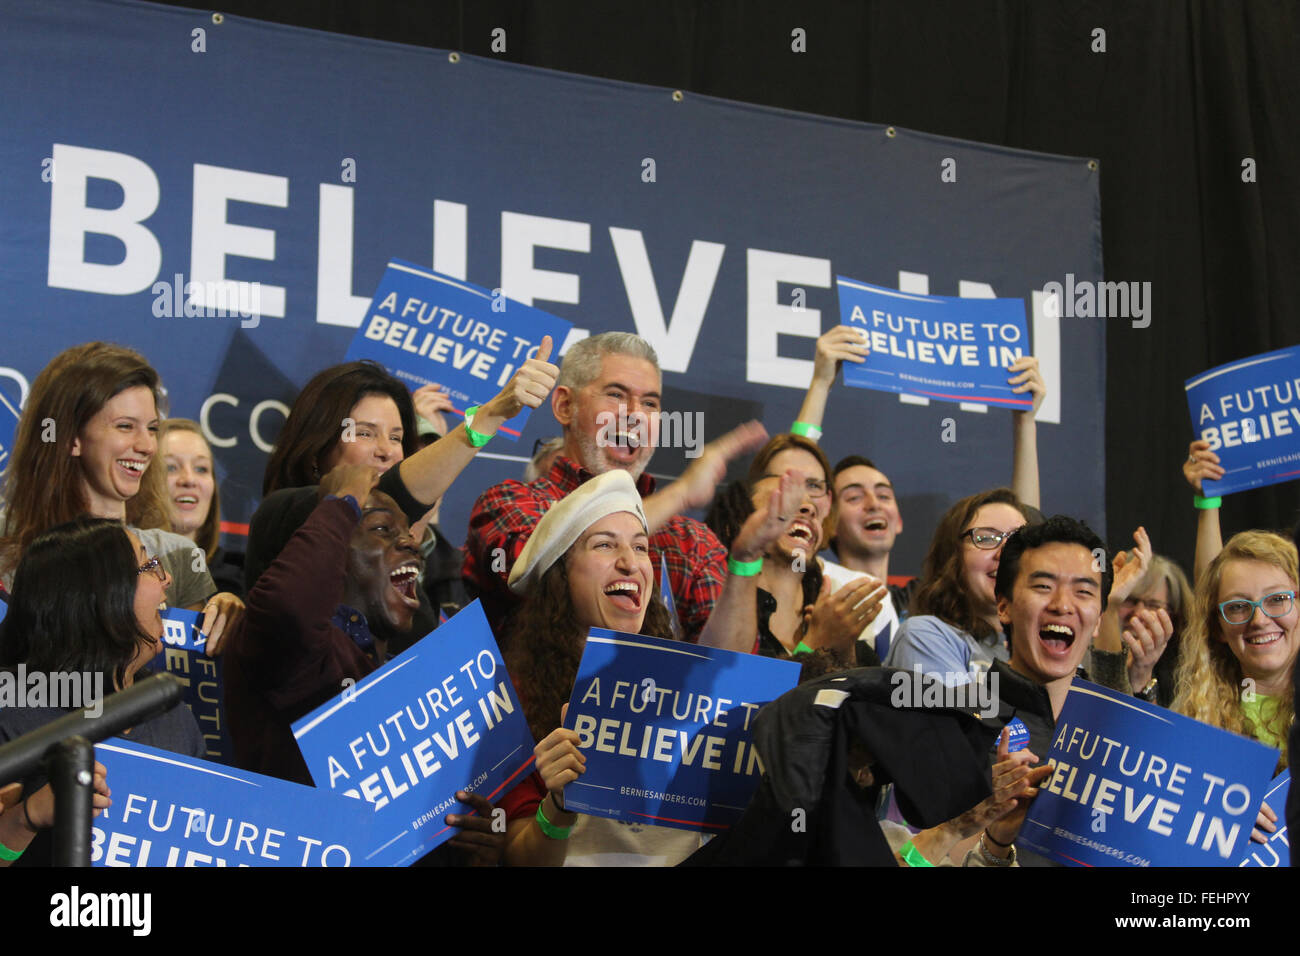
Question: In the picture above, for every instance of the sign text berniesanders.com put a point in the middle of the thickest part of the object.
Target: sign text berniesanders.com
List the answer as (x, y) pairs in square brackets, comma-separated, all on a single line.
[(1249, 412), (1138, 785), (940, 347), (440, 717), (666, 729), (425, 327)]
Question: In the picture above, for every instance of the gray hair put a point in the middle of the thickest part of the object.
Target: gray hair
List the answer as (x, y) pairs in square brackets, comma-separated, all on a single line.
[(581, 365)]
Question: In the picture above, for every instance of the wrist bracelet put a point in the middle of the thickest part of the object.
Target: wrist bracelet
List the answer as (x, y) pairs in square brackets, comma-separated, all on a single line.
[(986, 833), (912, 856), (1206, 504), (477, 439), (551, 831), (8, 854), (810, 432), (744, 569), (992, 859)]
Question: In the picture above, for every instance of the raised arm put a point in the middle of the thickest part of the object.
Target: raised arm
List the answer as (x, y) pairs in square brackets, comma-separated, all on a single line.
[(1024, 454), (1203, 463), (841, 344), (696, 486), (429, 472)]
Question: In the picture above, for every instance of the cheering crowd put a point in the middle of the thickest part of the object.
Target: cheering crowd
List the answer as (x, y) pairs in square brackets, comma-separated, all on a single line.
[(112, 512)]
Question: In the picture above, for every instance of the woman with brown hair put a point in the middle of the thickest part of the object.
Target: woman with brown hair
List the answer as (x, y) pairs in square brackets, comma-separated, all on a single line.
[(953, 628), (87, 443), (798, 617)]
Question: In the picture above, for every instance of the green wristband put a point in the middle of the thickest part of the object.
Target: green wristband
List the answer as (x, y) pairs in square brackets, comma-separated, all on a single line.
[(1205, 504), (810, 432), (912, 856), (8, 854), (801, 648), (550, 829), (744, 569), (477, 439)]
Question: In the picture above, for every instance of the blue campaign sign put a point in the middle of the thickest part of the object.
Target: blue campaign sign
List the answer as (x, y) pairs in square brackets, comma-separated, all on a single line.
[(183, 656), (425, 327), (666, 728), (1277, 851), (941, 347), (1138, 785), (442, 716), (1249, 412), (170, 810)]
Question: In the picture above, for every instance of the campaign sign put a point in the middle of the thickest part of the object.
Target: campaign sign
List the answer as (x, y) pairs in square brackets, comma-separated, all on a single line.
[(1138, 785), (442, 716), (941, 347), (183, 656), (1249, 412), (666, 729), (1277, 851), (170, 810), (425, 327)]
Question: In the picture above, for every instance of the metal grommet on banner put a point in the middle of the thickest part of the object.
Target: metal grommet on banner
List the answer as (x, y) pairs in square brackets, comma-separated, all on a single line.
[(891, 132), (453, 57), (217, 18), (1092, 165), (678, 96)]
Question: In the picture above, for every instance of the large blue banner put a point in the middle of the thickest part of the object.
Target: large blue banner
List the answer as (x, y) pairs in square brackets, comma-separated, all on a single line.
[(170, 810), (427, 328), (1249, 412), (236, 234), (940, 347), (438, 718), (1138, 785), (666, 729)]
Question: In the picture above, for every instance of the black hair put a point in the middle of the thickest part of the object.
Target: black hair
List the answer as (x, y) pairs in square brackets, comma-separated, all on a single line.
[(1058, 528), (73, 602), (853, 461)]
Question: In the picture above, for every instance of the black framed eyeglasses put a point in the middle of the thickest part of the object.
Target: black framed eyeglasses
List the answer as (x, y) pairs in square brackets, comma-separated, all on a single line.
[(987, 539), (1240, 611), (815, 487), (153, 566)]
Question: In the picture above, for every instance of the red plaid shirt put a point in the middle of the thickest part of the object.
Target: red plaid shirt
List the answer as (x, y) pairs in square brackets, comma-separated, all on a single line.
[(505, 515)]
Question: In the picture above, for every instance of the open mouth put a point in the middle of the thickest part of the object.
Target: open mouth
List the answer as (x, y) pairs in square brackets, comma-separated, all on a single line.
[(132, 467), (1057, 638), (876, 524), (1260, 640), (801, 531), (186, 501), (404, 581), (625, 594)]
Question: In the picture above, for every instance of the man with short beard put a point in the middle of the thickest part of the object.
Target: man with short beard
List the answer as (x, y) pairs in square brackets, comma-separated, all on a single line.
[(607, 401)]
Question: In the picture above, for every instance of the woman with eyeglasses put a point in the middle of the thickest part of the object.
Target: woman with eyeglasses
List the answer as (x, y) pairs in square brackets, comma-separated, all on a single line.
[(86, 601), (953, 627), (1240, 644), (798, 616)]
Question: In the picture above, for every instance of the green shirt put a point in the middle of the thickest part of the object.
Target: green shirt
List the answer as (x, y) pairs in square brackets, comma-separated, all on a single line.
[(1261, 714)]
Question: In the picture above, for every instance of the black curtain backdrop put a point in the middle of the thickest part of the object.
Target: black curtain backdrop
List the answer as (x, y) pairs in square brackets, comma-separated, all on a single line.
[(1182, 94)]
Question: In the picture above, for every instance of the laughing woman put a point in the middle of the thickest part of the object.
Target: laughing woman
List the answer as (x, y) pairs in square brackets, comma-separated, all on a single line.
[(587, 564), (87, 443)]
